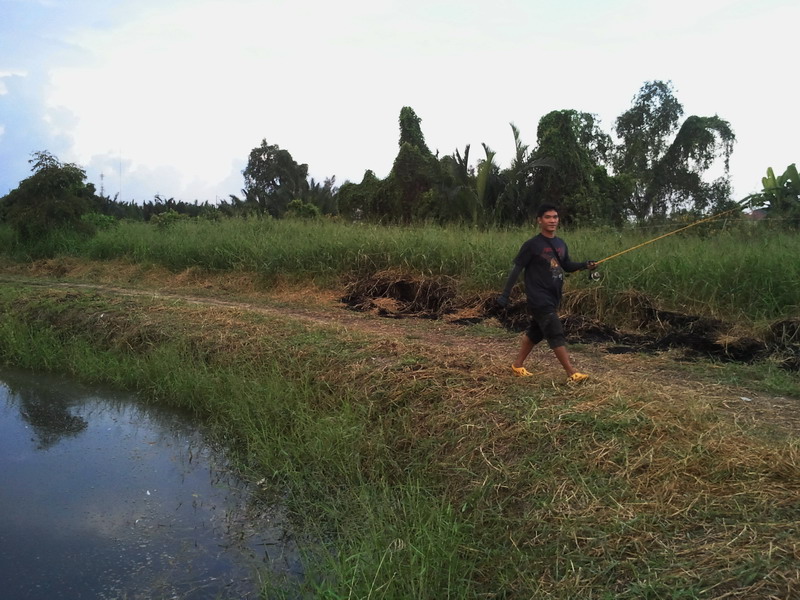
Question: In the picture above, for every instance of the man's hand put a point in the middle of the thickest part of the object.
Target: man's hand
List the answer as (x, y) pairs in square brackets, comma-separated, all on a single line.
[(502, 301), (591, 265)]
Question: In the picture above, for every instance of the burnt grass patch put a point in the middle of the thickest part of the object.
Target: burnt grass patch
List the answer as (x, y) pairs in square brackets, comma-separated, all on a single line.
[(785, 336), (647, 328), (393, 294)]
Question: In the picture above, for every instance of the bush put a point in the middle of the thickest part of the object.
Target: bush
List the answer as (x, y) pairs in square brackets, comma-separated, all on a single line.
[(54, 197), (167, 219), (98, 222), (301, 210)]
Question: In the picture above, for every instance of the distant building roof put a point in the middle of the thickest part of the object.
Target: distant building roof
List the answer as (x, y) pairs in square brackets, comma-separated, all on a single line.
[(758, 214)]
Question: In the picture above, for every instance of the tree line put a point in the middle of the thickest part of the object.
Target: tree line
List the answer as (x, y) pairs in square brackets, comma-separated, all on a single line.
[(657, 168)]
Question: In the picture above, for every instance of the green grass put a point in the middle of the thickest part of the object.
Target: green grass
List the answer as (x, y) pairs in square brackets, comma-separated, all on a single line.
[(766, 375), (743, 271), (417, 481), (748, 273)]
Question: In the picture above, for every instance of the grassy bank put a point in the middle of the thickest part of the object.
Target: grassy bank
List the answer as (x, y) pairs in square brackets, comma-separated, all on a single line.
[(742, 271), (422, 472)]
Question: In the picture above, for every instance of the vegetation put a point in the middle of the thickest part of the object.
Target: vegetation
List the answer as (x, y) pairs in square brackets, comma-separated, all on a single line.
[(654, 173), (272, 179), (414, 469), (668, 174), (54, 196), (718, 270), (781, 196), (655, 170)]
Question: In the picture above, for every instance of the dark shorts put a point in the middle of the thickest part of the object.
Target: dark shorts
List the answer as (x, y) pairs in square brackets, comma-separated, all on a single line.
[(545, 325)]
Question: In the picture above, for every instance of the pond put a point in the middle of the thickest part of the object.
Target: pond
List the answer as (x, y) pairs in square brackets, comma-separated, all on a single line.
[(103, 497)]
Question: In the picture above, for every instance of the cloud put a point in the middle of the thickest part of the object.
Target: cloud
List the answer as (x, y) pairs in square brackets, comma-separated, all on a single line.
[(182, 90), (28, 126)]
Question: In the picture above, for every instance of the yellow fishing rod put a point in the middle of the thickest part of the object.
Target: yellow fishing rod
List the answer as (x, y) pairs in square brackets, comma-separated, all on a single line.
[(594, 274)]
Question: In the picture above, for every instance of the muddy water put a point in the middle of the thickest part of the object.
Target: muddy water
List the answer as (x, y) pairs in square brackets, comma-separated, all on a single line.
[(102, 498)]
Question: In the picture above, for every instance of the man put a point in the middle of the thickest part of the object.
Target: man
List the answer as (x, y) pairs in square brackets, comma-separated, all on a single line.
[(544, 258)]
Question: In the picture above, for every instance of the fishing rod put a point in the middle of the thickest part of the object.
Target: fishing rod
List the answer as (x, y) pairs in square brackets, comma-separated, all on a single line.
[(595, 275)]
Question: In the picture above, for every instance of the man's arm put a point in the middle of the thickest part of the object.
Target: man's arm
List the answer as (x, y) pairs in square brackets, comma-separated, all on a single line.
[(513, 275), (571, 267)]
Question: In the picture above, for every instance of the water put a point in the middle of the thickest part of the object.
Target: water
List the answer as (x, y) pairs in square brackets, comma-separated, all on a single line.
[(103, 498)]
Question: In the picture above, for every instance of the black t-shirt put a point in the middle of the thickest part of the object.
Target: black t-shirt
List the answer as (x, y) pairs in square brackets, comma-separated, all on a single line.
[(544, 276)]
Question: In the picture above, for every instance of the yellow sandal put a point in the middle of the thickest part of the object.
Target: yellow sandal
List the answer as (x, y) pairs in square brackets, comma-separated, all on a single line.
[(521, 371)]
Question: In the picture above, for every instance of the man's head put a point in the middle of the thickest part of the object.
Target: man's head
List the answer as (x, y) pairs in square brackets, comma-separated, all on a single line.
[(547, 218), (546, 208)]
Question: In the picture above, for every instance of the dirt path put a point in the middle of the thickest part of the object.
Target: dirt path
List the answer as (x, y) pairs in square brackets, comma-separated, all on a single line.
[(487, 348)]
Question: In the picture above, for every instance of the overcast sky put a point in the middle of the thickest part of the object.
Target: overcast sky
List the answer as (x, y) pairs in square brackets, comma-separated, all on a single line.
[(168, 97)]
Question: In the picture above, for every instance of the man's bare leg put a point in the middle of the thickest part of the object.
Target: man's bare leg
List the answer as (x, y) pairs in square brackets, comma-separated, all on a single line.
[(563, 357), (525, 348)]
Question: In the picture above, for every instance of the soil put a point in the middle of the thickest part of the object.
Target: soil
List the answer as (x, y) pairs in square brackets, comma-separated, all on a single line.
[(476, 331)]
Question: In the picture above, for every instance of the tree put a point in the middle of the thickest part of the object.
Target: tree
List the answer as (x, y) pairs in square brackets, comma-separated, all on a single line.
[(411, 131), (322, 195), (54, 196), (272, 179), (598, 144), (358, 200), (459, 199), (489, 184), (515, 201), (459, 195), (414, 173), (564, 140), (613, 192), (415, 170), (668, 172)]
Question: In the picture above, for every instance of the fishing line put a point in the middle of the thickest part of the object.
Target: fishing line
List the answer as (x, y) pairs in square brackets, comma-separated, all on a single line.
[(596, 275)]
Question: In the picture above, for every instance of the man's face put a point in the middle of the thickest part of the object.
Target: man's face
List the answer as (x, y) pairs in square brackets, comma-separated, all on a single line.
[(548, 222)]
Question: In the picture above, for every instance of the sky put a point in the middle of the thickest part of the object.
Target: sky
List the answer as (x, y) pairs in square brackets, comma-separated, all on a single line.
[(168, 97)]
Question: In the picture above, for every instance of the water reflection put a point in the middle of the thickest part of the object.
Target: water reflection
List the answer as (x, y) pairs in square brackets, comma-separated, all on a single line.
[(47, 411), (102, 498)]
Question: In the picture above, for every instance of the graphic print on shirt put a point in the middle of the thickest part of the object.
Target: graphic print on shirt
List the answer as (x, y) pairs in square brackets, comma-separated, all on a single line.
[(555, 266)]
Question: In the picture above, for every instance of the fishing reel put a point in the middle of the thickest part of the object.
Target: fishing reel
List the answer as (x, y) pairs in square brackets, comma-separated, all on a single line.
[(594, 274)]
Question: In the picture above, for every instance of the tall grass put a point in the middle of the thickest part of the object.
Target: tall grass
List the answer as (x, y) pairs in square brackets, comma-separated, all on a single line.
[(306, 249), (745, 271)]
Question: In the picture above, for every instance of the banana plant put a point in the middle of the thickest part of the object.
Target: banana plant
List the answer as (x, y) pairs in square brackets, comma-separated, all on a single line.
[(782, 193), (792, 179)]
